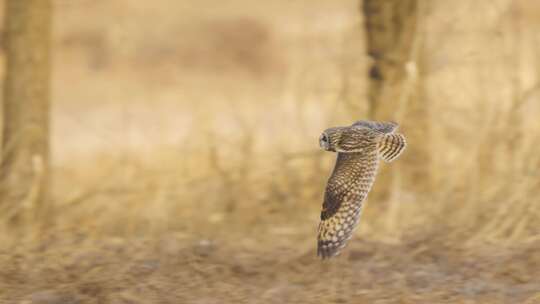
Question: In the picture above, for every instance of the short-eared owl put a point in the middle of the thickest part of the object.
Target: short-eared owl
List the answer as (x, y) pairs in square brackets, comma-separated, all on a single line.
[(359, 148)]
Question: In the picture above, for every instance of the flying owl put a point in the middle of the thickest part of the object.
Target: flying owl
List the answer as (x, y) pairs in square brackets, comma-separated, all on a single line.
[(359, 148)]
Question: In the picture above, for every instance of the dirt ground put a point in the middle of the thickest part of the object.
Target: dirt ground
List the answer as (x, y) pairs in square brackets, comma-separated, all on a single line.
[(176, 268)]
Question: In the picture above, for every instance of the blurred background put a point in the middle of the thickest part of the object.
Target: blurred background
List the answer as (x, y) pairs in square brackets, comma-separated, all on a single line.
[(183, 165)]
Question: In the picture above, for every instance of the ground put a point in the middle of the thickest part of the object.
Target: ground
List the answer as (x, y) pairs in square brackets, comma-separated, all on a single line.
[(177, 268)]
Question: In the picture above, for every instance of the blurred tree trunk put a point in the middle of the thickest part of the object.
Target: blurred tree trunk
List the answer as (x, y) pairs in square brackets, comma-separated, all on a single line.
[(395, 43), (25, 137)]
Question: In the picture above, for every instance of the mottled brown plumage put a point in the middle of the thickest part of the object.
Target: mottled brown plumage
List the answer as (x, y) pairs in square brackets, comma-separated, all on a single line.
[(359, 148)]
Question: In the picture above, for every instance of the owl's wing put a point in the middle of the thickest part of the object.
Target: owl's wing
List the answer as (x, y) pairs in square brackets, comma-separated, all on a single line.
[(337, 229), (383, 127), (391, 146), (345, 192)]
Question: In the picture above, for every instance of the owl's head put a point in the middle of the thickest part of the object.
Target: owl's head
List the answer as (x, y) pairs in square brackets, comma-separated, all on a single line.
[(330, 138), (349, 139)]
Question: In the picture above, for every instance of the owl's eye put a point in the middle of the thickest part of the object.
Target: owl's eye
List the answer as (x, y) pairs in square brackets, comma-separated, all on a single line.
[(324, 141)]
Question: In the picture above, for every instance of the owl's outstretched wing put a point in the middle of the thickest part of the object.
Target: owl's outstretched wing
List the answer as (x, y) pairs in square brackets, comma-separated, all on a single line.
[(391, 146), (347, 188), (383, 127), (336, 230)]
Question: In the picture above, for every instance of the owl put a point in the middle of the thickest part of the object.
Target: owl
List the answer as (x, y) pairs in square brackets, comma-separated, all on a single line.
[(359, 148)]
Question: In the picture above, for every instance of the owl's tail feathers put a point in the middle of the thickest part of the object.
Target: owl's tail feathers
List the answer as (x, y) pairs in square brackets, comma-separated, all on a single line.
[(391, 146)]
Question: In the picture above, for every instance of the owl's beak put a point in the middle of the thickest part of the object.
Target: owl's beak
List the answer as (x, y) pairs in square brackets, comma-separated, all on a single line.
[(326, 146)]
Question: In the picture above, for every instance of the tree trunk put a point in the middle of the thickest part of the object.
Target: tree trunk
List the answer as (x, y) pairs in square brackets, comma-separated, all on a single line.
[(25, 137), (395, 92)]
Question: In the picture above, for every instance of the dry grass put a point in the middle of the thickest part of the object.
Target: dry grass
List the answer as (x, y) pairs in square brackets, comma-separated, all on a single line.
[(186, 166), (176, 269)]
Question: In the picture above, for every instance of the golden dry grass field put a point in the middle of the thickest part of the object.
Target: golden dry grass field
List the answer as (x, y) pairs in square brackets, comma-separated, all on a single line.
[(186, 165)]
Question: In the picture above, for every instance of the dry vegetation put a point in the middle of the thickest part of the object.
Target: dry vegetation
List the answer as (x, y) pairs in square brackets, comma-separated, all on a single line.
[(186, 166)]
